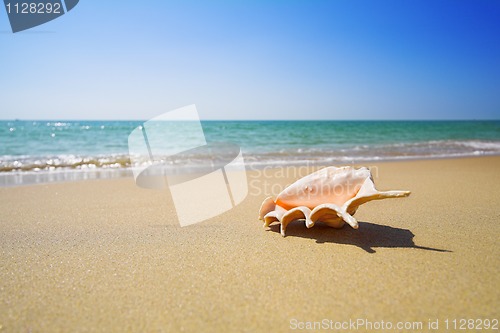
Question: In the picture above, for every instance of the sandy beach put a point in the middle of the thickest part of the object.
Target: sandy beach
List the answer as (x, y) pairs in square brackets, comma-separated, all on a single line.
[(108, 256)]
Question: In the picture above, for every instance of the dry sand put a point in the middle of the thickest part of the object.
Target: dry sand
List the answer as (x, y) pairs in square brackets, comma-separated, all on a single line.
[(108, 256)]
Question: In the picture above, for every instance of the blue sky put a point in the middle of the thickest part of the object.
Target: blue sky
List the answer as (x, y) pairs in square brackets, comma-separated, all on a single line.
[(256, 60)]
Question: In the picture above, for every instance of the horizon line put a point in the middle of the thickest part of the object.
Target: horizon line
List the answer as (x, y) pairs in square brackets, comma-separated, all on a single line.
[(291, 120)]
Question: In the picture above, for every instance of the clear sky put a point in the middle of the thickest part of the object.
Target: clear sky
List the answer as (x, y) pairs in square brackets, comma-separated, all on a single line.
[(256, 60)]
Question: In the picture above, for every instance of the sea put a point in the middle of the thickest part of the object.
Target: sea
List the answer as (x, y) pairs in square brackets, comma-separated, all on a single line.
[(47, 151)]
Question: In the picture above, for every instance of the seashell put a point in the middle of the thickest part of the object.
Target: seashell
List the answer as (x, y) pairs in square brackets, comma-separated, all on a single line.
[(330, 195)]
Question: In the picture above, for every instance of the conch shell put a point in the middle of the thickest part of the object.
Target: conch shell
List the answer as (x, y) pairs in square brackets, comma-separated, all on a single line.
[(331, 195)]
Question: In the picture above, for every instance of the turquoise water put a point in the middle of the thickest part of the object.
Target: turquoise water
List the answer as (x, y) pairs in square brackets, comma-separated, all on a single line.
[(47, 146)]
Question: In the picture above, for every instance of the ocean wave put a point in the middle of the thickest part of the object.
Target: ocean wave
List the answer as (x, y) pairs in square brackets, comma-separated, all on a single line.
[(255, 157), (481, 145), (9, 163)]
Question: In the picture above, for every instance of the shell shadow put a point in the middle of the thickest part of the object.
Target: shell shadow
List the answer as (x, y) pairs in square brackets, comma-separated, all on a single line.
[(368, 236)]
